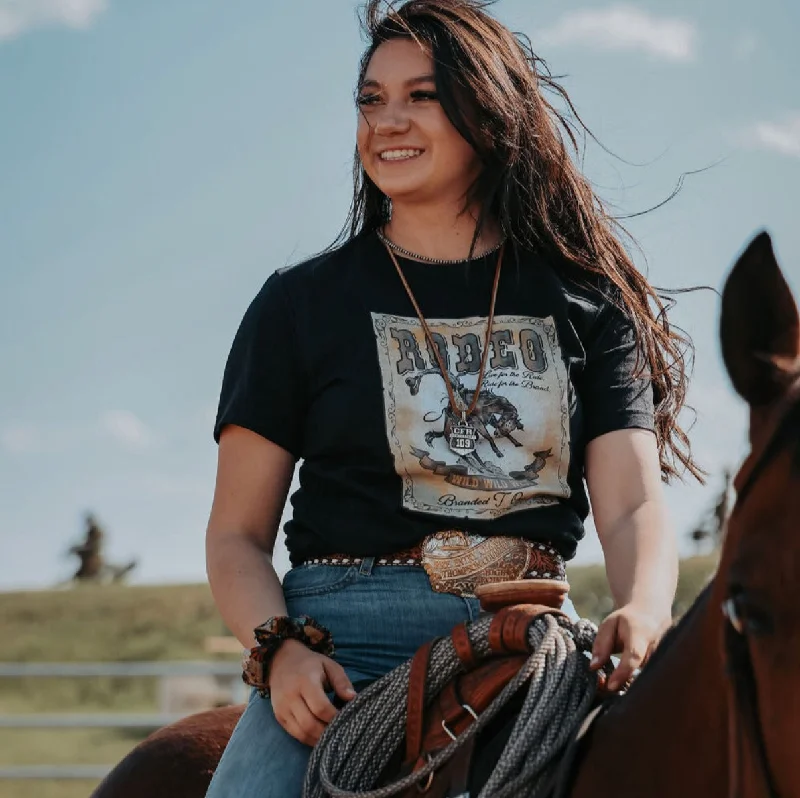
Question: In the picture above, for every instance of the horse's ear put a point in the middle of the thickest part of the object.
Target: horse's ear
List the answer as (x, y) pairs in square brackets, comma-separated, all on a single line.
[(759, 325)]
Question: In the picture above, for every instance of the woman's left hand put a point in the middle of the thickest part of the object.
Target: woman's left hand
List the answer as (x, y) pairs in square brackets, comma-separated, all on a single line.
[(633, 632)]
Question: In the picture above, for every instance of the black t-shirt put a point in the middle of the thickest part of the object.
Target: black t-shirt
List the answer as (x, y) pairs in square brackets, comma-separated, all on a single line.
[(331, 363)]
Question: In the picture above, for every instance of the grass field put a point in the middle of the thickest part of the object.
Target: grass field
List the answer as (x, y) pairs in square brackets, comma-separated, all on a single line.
[(146, 623)]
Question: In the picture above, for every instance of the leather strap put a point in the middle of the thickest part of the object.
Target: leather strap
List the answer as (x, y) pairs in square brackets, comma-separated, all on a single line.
[(416, 701), (463, 646), (460, 767), (435, 349), (508, 632), (477, 689), (450, 781)]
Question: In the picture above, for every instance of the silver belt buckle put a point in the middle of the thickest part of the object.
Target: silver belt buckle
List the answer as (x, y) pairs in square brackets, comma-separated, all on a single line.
[(457, 562)]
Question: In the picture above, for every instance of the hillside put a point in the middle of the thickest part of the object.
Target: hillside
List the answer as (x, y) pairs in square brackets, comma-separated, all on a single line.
[(117, 623)]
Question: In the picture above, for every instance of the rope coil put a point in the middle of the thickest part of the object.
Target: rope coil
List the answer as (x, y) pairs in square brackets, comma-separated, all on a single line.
[(355, 748)]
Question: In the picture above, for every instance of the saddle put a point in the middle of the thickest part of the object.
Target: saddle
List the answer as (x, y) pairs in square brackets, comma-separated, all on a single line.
[(432, 726)]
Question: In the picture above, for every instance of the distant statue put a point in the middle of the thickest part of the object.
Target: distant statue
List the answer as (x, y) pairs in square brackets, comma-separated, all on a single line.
[(699, 536), (722, 509), (714, 523), (90, 551), (93, 567)]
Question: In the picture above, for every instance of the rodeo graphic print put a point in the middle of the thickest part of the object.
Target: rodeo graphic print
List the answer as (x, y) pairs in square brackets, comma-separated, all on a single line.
[(521, 457)]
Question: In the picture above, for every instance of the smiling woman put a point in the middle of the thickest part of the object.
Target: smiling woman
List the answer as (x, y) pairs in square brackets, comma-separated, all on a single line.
[(407, 145), (475, 359)]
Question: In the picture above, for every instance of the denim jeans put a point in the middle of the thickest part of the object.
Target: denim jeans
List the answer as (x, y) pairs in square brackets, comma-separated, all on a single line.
[(378, 616)]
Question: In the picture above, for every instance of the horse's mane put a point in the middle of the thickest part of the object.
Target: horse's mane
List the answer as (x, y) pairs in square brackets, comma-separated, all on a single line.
[(787, 432), (790, 430)]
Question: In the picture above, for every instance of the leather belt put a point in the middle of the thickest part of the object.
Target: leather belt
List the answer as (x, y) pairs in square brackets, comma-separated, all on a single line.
[(458, 562)]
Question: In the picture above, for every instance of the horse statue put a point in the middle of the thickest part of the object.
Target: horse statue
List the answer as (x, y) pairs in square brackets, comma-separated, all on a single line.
[(94, 568), (712, 525), (716, 712)]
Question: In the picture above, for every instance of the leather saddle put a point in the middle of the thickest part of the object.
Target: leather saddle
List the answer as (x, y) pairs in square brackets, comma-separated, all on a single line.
[(431, 727)]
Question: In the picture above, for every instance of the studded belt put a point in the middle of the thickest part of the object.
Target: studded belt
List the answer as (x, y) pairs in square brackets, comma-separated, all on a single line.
[(458, 562)]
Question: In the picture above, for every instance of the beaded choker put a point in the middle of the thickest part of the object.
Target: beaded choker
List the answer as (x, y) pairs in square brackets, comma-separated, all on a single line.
[(425, 259)]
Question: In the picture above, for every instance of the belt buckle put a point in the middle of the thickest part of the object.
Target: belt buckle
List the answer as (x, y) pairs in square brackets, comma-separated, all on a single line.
[(458, 562)]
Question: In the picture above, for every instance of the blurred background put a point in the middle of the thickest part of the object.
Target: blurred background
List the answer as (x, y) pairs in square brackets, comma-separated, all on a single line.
[(159, 160)]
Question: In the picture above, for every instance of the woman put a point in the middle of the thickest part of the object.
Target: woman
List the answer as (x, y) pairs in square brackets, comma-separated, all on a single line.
[(449, 375)]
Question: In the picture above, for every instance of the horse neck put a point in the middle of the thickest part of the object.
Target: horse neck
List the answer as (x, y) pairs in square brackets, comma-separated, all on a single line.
[(668, 735)]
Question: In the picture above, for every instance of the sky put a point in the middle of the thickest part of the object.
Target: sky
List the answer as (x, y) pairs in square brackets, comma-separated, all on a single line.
[(159, 160)]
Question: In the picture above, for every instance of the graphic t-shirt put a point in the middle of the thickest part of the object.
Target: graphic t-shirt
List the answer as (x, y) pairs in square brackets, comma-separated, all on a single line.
[(331, 363)]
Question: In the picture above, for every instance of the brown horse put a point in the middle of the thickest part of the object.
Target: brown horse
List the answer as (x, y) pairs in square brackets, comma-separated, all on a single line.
[(716, 712)]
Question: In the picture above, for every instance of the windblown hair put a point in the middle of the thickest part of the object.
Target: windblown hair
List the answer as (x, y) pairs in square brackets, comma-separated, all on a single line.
[(492, 88)]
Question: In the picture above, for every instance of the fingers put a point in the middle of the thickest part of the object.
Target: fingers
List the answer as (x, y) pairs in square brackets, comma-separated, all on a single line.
[(318, 703), (337, 679), (299, 699), (633, 632), (304, 711), (298, 721), (636, 642), (604, 643), (632, 658)]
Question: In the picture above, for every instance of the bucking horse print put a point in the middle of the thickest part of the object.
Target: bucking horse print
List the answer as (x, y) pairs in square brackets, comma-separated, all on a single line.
[(521, 416)]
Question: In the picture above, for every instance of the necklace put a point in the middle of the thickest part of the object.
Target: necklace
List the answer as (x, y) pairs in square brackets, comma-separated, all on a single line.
[(462, 436), (406, 253)]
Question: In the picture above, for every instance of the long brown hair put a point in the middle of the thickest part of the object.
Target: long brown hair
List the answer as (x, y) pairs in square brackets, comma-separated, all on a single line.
[(492, 88)]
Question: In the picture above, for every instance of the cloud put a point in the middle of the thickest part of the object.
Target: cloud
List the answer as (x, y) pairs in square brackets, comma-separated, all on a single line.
[(161, 484), (782, 137), (19, 16), (42, 437), (127, 429), (20, 438), (625, 27), (745, 46)]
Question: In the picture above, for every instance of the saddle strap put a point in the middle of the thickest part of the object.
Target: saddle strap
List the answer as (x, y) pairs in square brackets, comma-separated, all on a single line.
[(476, 690), (417, 678), (451, 781), (478, 687), (508, 632), (463, 646)]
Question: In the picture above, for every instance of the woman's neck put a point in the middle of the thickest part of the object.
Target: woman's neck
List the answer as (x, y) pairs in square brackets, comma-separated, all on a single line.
[(439, 233)]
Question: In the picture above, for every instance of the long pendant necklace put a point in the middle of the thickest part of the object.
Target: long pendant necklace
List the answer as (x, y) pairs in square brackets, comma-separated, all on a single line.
[(463, 436)]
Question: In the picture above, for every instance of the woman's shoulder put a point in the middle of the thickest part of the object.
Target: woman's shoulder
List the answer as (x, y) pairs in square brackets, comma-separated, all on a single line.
[(587, 292), (297, 290), (332, 264)]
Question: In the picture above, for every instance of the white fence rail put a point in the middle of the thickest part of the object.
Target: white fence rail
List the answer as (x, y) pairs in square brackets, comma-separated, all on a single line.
[(63, 669), (226, 673)]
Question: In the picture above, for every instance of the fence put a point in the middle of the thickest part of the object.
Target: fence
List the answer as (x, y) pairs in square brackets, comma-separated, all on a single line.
[(225, 672)]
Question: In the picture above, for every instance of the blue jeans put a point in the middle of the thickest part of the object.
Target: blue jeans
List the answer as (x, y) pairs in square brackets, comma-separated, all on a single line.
[(378, 616)]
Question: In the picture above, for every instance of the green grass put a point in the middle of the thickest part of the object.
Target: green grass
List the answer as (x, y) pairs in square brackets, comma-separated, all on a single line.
[(47, 789), (589, 588), (93, 623), (118, 623), (112, 623)]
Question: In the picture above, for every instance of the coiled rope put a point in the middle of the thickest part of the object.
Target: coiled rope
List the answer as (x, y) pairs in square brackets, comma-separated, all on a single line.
[(356, 747)]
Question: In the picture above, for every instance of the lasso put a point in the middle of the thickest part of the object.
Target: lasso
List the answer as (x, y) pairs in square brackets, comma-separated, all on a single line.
[(356, 747)]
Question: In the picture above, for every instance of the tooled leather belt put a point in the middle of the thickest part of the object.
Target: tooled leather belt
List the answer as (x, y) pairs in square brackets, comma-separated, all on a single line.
[(458, 561)]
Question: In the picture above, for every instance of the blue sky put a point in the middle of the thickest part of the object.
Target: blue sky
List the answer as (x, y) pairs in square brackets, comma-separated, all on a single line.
[(159, 160)]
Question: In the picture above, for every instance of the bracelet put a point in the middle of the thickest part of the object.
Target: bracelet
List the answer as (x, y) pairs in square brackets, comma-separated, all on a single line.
[(271, 635)]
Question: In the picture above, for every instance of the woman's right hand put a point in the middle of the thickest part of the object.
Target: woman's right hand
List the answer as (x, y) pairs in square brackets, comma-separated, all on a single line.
[(298, 680)]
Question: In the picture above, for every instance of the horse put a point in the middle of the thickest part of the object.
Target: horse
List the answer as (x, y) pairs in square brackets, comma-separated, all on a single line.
[(715, 713)]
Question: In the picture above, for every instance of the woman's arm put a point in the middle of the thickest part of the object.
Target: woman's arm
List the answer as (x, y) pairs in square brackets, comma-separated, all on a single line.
[(624, 480), (253, 478)]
